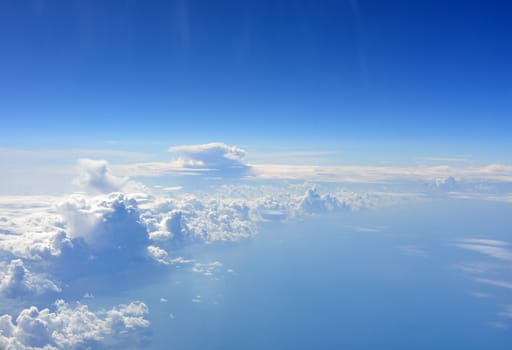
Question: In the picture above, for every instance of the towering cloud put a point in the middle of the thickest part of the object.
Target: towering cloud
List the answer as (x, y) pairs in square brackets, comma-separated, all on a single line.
[(215, 156)]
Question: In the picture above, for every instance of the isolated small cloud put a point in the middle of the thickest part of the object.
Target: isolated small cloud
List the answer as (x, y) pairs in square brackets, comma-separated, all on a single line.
[(215, 156), (105, 223)]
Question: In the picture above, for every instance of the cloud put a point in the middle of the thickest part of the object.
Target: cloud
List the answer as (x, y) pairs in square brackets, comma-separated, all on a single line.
[(109, 242), (495, 282), (213, 160), (196, 161), (76, 327), (313, 202), (83, 237), (215, 155), (18, 281), (95, 176), (208, 269), (493, 248), (105, 223)]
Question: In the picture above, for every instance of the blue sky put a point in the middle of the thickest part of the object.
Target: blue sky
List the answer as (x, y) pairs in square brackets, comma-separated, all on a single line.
[(75, 73), (255, 174)]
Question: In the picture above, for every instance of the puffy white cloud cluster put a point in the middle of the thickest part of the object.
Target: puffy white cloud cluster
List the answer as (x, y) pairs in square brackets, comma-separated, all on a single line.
[(54, 245), (68, 327), (100, 224), (233, 212), (45, 248)]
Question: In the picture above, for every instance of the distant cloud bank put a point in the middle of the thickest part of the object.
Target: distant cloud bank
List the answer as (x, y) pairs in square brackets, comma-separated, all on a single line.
[(122, 225)]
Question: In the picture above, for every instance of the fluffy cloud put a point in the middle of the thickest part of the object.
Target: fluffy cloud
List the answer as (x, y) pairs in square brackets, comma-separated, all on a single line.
[(18, 281), (95, 176), (68, 327), (215, 155), (105, 223), (108, 240), (313, 202)]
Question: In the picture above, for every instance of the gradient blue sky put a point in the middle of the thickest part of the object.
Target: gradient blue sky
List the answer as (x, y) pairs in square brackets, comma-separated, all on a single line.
[(76, 73), (256, 174)]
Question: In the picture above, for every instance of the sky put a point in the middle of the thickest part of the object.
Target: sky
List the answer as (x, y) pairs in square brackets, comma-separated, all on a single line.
[(255, 174), (76, 73)]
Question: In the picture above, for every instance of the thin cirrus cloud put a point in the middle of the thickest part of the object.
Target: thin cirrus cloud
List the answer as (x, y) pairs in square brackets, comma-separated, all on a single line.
[(493, 248)]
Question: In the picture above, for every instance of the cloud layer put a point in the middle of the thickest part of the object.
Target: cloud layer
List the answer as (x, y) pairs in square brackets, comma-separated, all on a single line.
[(119, 231)]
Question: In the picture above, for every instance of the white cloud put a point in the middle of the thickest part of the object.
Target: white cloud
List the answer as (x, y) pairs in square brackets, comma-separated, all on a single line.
[(76, 327), (447, 184), (215, 155), (47, 243), (214, 160), (105, 222), (95, 176), (495, 282), (18, 281), (493, 248), (313, 202), (208, 269)]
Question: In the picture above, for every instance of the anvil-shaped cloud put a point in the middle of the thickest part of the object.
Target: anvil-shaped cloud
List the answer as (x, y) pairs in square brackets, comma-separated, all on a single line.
[(218, 157)]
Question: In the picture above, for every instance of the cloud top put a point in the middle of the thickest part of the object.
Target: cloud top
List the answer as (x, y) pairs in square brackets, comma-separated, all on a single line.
[(215, 156), (94, 175)]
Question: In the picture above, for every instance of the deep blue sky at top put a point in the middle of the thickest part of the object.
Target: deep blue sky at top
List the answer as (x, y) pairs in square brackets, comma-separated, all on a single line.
[(252, 70)]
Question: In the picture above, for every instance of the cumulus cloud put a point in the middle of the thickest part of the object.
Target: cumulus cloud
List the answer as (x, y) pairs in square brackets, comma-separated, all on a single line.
[(215, 155), (68, 327), (18, 281), (105, 223), (86, 237), (313, 202), (95, 176), (107, 241)]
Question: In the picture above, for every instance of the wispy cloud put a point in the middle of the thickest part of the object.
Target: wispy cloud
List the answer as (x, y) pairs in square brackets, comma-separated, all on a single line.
[(493, 248), (495, 282)]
